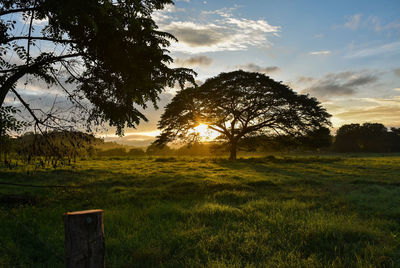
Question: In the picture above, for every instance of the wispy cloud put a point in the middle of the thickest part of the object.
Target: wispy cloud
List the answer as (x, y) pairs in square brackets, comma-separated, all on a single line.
[(375, 23), (397, 71), (353, 22), (385, 49), (305, 79), (359, 21), (251, 67), (193, 61), (219, 31), (387, 115), (322, 52), (164, 15), (341, 84)]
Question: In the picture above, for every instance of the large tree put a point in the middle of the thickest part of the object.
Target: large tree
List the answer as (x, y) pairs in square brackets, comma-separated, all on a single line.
[(240, 104), (110, 51)]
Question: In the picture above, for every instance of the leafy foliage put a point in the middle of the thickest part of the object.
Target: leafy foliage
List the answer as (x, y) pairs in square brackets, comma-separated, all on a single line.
[(241, 104), (8, 123), (111, 50)]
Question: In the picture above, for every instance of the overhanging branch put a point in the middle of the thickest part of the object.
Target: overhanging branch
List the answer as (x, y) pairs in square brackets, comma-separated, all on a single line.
[(17, 10), (41, 38)]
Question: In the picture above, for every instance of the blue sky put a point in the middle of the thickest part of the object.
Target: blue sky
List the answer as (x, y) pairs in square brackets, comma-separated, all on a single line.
[(345, 53)]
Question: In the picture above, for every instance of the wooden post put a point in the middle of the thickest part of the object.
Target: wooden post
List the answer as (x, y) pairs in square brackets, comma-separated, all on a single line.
[(84, 239)]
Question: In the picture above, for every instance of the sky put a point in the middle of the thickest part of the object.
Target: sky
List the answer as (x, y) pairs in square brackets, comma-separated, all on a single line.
[(344, 53)]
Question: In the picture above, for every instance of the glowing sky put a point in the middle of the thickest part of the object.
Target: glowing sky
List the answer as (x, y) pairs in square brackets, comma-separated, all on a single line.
[(345, 53)]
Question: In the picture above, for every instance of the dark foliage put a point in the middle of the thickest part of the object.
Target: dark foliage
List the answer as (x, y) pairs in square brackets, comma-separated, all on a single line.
[(54, 148), (111, 50), (315, 140), (241, 104), (8, 124), (369, 137)]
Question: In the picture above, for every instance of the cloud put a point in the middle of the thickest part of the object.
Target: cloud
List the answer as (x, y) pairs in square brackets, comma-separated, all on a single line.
[(357, 21), (197, 35), (251, 67), (385, 49), (218, 30), (387, 115), (164, 15), (341, 84), (353, 22), (397, 71), (193, 61), (375, 24), (322, 52), (397, 89), (305, 79)]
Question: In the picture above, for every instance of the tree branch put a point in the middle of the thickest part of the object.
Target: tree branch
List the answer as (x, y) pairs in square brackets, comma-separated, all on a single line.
[(45, 61), (19, 72), (42, 38), (17, 10), (29, 33)]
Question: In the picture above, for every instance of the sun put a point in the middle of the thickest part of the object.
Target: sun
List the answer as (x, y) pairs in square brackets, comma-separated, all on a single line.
[(205, 133), (202, 130)]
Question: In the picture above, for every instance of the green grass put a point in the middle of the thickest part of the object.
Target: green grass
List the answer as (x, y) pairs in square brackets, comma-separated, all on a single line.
[(296, 211)]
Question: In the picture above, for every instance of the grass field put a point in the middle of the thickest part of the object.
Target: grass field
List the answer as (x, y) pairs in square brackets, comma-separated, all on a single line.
[(328, 211)]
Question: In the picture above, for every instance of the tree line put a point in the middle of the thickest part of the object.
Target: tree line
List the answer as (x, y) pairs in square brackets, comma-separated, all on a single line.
[(64, 147)]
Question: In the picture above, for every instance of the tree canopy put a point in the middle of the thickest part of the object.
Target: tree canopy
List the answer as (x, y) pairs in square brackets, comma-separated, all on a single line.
[(111, 51), (368, 137), (240, 104)]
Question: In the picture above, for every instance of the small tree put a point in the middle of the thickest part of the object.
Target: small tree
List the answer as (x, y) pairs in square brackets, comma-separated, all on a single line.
[(240, 104)]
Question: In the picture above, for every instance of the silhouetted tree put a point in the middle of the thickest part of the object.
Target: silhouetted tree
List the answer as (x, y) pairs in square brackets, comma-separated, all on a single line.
[(369, 137), (347, 138), (395, 139), (111, 51), (317, 139), (240, 104)]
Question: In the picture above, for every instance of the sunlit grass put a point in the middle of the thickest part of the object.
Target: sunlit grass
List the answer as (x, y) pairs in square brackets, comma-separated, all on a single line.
[(282, 211)]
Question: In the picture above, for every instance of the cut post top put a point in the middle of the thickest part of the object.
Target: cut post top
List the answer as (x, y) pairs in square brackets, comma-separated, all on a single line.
[(91, 211)]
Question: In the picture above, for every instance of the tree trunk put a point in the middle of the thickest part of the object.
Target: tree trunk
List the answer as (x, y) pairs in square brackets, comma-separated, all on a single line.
[(232, 149)]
